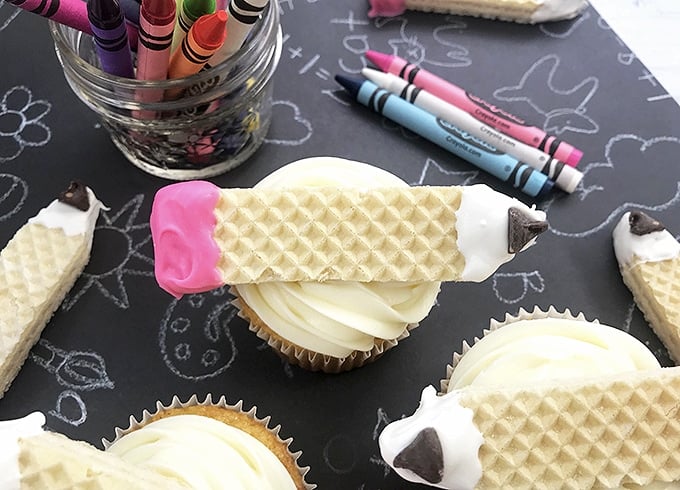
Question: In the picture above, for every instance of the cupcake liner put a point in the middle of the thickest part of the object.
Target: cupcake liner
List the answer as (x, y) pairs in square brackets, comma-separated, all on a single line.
[(249, 415), (313, 361), (536, 314)]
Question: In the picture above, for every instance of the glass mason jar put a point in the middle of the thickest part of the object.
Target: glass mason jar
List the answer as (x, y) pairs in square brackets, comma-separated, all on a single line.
[(219, 121)]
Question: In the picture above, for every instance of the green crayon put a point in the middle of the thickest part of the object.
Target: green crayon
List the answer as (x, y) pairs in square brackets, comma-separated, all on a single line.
[(188, 12)]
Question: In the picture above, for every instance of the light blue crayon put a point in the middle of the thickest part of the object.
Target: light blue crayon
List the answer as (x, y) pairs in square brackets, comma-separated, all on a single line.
[(447, 136)]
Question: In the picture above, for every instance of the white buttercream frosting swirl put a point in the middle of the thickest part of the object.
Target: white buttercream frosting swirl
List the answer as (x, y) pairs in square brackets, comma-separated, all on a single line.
[(631, 249), (336, 318), (10, 433), (204, 454)]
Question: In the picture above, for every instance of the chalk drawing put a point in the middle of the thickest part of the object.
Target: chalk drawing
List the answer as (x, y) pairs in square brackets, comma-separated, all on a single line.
[(14, 191), (20, 122), (7, 14), (564, 29), (70, 408), (511, 288), (339, 448), (290, 121), (108, 273)]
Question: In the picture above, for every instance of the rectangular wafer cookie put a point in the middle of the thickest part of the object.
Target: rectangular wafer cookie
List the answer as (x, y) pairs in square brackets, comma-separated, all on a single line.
[(205, 236)]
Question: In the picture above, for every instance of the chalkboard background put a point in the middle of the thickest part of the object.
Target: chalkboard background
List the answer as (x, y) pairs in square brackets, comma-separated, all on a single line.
[(118, 343)]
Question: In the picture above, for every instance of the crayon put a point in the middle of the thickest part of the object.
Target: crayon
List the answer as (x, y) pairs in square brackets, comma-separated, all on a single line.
[(564, 176), (72, 13), (203, 39), (440, 132), (188, 12), (243, 14), (131, 13), (482, 110), (110, 37)]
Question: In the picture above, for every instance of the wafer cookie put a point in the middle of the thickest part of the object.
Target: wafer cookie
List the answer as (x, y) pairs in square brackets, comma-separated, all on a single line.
[(523, 11), (33, 459), (600, 432), (205, 237), (649, 261), (37, 268)]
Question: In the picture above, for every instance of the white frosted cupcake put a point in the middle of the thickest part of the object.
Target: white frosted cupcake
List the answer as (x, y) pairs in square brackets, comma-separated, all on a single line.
[(336, 325), (211, 445)]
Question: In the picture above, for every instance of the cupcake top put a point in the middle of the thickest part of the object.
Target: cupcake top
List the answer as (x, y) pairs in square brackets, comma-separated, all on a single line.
[(533, 350), (336, 318), (209, 447)]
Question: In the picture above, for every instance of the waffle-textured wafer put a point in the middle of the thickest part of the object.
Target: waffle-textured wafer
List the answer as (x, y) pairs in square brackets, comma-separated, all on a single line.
[(37, 268), (649, 261), (523, 11), (205, 236), (600, 432)]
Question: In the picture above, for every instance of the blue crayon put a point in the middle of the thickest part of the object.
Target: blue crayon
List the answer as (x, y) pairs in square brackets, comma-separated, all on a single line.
[(442, 133), (110, 37)]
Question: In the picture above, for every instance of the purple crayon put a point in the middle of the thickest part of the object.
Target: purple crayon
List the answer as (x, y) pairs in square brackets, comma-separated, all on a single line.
[(72, 13), (110, 37)]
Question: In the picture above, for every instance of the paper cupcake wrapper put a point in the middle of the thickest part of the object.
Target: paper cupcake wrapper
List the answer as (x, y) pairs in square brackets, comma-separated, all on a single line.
[(313, 361), (535, 314), (147, 416)]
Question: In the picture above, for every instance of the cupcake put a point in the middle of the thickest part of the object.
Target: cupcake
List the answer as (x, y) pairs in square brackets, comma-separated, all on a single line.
[(208, 444), (336, 325)]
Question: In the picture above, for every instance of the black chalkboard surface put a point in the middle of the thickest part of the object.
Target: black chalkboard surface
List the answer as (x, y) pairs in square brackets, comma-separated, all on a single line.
[(118, 343)]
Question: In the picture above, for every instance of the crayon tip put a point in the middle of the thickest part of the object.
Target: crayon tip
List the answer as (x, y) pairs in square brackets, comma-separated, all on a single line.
[(158, 12), (381, 60), (210, 30), (350, 84), (574, 157), (378, 77), (105, 13)]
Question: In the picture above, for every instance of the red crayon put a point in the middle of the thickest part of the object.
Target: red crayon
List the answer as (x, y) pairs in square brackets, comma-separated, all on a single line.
[(156, 25), (72, 13)]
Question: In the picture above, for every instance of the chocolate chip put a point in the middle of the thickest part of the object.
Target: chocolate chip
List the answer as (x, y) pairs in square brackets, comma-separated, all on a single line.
[(424, 456), (522, 229), (76, 196), (643, 224)]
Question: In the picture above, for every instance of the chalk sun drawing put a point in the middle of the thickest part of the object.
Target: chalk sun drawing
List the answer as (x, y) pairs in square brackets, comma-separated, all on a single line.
[(20, 122), (296, 127), (14, 191), (117, 254), (563, 110), (195, 338), (434, 174), (625, 155), (513, 287)]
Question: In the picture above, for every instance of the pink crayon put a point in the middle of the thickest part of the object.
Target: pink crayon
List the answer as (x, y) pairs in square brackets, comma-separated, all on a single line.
[(72, 13), (480, 109)]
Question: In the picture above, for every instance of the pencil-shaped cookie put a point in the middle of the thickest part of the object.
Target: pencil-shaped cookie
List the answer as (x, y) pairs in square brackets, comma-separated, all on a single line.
[(525, 11), (649, 261), (33, 459), (37, 268), (599, 432), (205, 236)]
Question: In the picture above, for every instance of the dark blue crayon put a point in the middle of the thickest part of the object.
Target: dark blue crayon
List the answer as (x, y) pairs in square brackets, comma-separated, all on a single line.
[(442, 133), (110, 37), (131, 14)]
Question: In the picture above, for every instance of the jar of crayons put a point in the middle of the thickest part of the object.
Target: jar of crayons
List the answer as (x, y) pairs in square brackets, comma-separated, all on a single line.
[(176, 121)]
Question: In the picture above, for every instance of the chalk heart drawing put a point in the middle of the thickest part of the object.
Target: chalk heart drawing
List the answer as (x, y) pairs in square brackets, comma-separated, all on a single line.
[(7, 14), (434, 174), (20, 122), (292, 128), (513, 287), (632, 166), (13, 193), (195, 338), (409, 47), (121, 251), (563, 109)]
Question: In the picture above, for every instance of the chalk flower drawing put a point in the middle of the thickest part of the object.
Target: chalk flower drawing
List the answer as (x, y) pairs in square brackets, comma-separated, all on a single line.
[(20, 122)]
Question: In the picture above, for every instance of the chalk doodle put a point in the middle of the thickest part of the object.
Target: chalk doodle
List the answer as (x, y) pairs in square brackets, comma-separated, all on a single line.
[(20, 122), (382, 420), (298, 129), (287, 367), (564, 29), (563, 110), (76, 370), (434, 174), (338, 454), (14, 191), (7, 14), (70, 408), (624, 155), (511, 288), (107, 273), (195, 338)]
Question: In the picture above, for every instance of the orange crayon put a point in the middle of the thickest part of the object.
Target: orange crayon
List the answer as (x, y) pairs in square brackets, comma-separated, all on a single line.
[(205, 37)]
